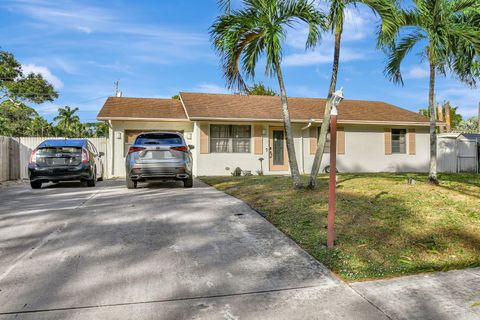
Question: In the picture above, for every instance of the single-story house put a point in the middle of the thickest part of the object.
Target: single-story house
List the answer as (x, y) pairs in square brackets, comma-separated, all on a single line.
[(231, 130)]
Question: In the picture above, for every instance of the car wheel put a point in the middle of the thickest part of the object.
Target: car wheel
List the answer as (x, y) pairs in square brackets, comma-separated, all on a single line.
[(101, 177), (188, 183), (91, 182), (36, 184), (131, 184)]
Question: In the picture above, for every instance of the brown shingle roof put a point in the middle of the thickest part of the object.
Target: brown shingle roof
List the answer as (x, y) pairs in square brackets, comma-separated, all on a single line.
[(228, 106), (239, 107), (139, 108)]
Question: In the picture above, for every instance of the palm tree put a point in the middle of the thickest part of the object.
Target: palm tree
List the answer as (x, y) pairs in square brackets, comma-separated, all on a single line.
[(40, 127), (66, 119), (386, 9), (259, 28), (448, 33)]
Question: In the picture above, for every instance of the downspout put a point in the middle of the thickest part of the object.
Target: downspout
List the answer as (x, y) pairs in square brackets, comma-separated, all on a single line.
[(112, 141)]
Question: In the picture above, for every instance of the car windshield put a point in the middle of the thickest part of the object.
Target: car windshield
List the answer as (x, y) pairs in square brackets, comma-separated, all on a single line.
[(159, 138), (52, 151)]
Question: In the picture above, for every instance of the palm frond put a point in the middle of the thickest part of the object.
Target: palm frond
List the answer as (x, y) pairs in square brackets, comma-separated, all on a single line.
[(398, 53), (391, 18), (243, 36), (336, 15)]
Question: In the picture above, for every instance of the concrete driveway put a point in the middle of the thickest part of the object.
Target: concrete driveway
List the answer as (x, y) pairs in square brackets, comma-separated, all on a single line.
[(157, 252)]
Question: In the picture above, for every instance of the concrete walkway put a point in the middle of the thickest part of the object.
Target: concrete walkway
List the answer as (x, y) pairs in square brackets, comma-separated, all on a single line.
[(436, 296), (162, 252)]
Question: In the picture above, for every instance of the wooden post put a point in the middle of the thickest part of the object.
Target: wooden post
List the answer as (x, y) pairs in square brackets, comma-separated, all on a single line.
[(332, 184), (447, 116), (440, 117)]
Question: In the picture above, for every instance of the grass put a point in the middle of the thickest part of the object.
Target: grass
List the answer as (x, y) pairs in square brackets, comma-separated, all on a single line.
[(384, 226)]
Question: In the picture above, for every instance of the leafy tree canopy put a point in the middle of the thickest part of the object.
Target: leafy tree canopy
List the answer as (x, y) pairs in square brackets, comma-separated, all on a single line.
[(455, 117), (15, 118), (15, 85), (469, 125), (260, 89)]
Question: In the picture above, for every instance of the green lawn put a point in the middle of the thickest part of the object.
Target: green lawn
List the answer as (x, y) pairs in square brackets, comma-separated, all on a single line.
[(384, 226)]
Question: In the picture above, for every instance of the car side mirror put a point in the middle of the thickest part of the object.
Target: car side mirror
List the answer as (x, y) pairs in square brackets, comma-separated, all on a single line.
[(101, 154), (191, 146)]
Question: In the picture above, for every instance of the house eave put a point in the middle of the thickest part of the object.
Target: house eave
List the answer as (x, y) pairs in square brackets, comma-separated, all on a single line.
[(392, 123), (142, 119)]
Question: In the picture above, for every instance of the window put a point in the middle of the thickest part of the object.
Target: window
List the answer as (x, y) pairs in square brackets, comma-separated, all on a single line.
[(131, 135), (163, 139), (327, 143), (399, 141), (230, 138)]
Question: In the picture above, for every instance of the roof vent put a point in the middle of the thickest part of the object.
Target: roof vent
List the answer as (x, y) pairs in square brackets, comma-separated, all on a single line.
[(118, 94)]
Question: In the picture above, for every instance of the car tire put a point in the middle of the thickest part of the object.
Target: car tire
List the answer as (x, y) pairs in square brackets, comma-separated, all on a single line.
[(188, 183), (131, 184), (91, 182), (101, 177), (36, 184)]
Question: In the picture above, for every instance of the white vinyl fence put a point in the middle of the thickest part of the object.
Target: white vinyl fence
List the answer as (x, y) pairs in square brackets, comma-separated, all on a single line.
[(458, 155), (15, 155)]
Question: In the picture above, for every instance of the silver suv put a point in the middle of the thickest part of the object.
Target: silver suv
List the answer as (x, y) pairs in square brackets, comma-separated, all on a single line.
[(159, 156)]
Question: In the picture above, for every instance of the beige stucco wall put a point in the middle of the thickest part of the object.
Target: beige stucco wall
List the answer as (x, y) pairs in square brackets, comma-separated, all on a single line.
[(364, 150), (216, 163)]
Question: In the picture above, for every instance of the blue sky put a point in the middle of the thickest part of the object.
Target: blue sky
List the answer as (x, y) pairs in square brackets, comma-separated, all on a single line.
[(158, 48)]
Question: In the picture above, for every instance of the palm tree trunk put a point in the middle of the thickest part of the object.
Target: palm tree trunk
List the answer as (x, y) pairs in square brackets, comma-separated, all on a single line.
[(292, 158), (322, 139), (432, 175)]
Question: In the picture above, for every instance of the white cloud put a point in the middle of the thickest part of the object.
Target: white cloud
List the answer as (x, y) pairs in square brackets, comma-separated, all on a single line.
[(108, 26), (416, 73), (465, 98), (358, 25), (210, 88), (45, 72)]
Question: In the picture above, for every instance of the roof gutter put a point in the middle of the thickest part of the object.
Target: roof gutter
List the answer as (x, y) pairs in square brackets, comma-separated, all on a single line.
[(142, 119), (393, 123)]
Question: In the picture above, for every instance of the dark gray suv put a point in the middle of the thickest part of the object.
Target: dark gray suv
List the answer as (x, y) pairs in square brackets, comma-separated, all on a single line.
[(159, 156)]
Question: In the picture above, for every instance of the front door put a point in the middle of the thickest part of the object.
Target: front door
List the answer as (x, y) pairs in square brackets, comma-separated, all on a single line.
[(277, 150)]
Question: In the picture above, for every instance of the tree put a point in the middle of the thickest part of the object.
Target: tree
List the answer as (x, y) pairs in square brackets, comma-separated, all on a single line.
[(455, 118), (67, 121), (260, 89), (97, 129), (258, 29), (386, 9), (16, 86), (449, 32), (17, 89), (15, 118), (469, 125), (78, 129), (38, 126)]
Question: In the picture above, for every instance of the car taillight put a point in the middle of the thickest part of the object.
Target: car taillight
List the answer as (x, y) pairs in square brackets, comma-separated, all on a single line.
[(182, 148), (33, 156), (135, 149), (85, 156)]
